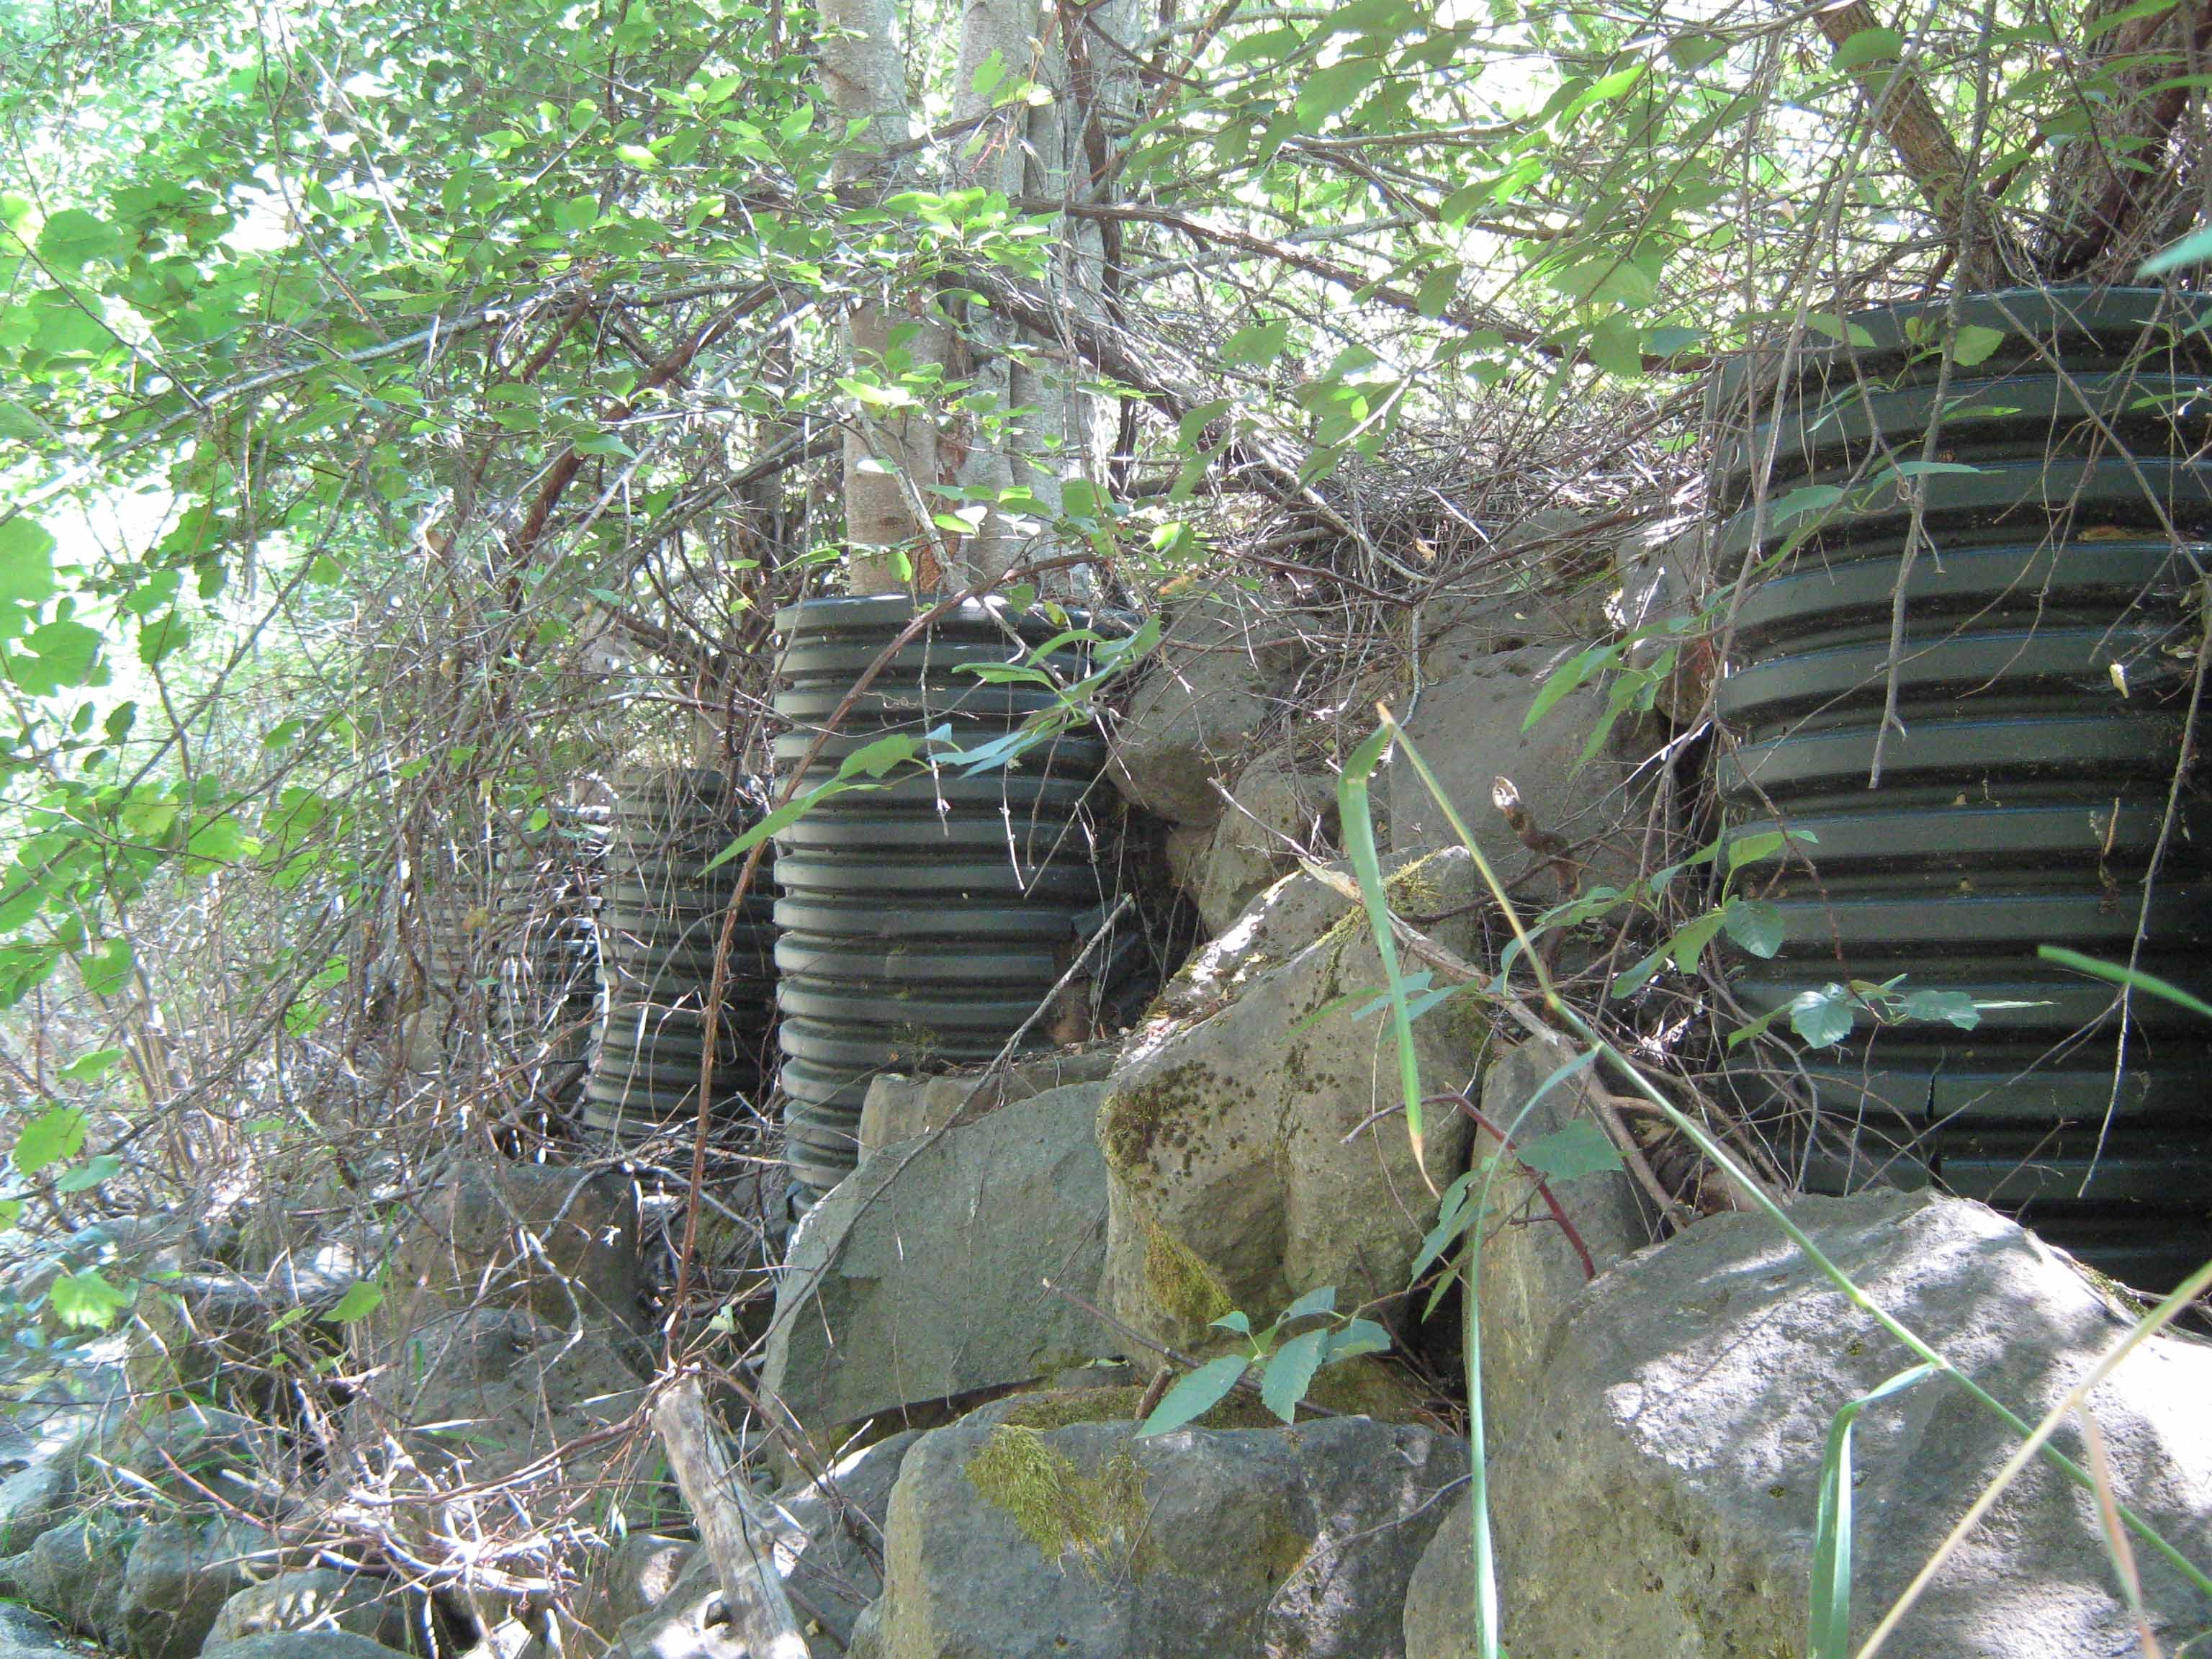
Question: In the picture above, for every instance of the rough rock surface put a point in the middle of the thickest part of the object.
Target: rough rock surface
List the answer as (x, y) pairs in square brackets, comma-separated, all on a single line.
[(300, 1644), (1667, 1506), (1206, 694), (179, 1576), (33, 1499), (1467, 727), (323, 1598), (74, 1572), (828, 1573), (501, 1386), (1086, 1542), (24, 1635), (900, 1107), (1241, 1175), (917, 1278), (562, 1243), (1274, 809), (1530, 1271)]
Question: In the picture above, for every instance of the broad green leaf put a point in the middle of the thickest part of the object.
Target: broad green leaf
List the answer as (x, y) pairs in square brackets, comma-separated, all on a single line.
[(1616, 345), (1755, 924), (1313, 1302), (72, 239), (90, 1068), (1194, 1396), (53, 1135), (1329, 92), (1355, 1338), (86, 1300), (362, 1299), (89, 1174), (1235, 1320), (1262, 343), (1876, 45), (1823, 1018), (1290, 1373), (1975, 344), (64, 654), (1952, 1007), (1576, 1149), (27, 561)]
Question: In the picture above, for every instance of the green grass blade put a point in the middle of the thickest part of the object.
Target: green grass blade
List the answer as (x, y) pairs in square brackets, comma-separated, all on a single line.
[(2133, 978), (1352, 795), (1831, 1634)]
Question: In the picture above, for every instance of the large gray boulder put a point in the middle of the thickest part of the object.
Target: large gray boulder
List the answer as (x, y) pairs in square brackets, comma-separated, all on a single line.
[(1274, 811), (1468, 728), (1251, 1146), (300, 1644), (899, 1107), (1086, 1542), (919, 1277), (486, 1390), (829, 1538), (74, 1573), (24, 1635), (1211, 686), (324, 1598), (33, 1499), (1666, 1506), (179, 1576), (562, 1243)]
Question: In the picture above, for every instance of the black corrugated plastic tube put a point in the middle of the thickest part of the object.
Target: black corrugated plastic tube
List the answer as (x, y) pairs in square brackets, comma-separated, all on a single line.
[(925, 922), (659, 924), (2028, 792)]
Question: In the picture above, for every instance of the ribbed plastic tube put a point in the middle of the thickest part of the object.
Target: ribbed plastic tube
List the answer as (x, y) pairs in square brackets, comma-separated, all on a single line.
[(924, 923), (2032, 786), (661, 923)]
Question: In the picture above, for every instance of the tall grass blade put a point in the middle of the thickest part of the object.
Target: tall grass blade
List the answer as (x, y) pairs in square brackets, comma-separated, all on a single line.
[(1352, 795), (2134, 978), (1831, 1634)]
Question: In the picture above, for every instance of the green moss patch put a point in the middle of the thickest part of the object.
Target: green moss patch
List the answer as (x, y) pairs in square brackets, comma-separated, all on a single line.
[(1180, 1283), (1058, 1507)]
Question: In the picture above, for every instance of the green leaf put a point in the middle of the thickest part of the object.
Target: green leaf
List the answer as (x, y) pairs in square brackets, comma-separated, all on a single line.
[(1359, 832), (1321, 1301), (1617, 347), (1331, 91), (1954, 1007), (1824, 1018), (362, 1299), (1565, 678), (1755, 924), (1262, 343), (2193, 249), (11, 1212), (1975, 344), (27, 563), (65, 655), (89, 1174), (1291, 1373), (86, 1300), (1235, 1320), (1358, 1337), (48, 1139), (90, 1068), (72, 239), (1870, 46), (1195, 1394), (1576, 1149)]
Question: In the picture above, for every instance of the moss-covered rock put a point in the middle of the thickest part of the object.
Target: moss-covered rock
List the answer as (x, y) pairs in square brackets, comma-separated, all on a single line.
[(1251, 1150), (1086, 1541)]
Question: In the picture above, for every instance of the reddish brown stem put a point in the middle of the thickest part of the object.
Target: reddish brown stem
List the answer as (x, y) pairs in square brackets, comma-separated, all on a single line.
[(1543, 1187)]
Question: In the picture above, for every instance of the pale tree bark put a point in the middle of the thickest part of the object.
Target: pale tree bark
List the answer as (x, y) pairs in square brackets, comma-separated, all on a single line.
[(890, 456), (1036, 427)]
